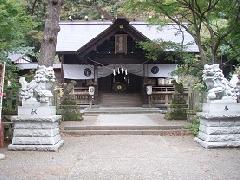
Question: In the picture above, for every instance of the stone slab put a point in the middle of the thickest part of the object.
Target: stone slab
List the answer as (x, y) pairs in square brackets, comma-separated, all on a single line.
[(36, 119), (237, 122), (36, 110), (209, 122), (218, 138), (36, 125), (209, 145), (36, 140), (219, 122), (207, 116), (35, 132), (227, 123), (54, 147), (221, 107), (219, 130), (31, 102)]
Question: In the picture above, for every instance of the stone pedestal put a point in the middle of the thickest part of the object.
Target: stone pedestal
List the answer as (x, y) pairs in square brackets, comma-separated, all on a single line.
[(36, 128), (219, 125)]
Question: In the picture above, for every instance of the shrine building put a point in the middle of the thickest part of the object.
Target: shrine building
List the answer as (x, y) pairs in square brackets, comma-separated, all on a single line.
[(107, 56)]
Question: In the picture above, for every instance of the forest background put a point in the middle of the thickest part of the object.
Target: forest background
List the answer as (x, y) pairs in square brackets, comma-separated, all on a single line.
[(214, 24)]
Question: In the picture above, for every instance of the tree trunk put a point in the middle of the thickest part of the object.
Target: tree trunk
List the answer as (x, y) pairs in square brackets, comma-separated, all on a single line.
[(197, 39), (48, 45)]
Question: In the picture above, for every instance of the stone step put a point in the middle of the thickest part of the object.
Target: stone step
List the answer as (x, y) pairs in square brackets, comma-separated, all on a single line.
[(122, 110), (126, 127), (121, 104), (126, 100), (177, 132)]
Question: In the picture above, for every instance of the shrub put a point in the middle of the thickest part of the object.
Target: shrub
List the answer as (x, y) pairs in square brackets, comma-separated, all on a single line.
[(69, 109), (178, 106), (194, 126)]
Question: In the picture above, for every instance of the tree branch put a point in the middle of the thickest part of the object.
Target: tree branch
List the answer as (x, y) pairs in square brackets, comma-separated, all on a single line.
[(103, 12), (33, 6)]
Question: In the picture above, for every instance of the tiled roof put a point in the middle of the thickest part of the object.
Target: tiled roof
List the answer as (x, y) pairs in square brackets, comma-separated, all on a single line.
[(75, 34)]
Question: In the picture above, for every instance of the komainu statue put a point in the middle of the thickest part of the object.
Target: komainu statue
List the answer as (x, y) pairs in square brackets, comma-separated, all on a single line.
[(219, 88), (39, 89)]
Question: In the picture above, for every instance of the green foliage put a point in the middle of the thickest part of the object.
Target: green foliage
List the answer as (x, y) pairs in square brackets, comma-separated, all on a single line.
[(189, 71), (157, 48), (94, 9), (11, 89), (194, 126), (178, 106), (177, 109), (71, 113), (10, 102), (176, 114), (14, 23), (70, 109), (209, 22)]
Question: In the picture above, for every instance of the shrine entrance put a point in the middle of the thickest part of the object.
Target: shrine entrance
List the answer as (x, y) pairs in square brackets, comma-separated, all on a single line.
[(120, 84), (120, 91)]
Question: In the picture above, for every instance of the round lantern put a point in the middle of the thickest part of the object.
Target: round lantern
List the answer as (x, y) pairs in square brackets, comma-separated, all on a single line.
[(91, 90), (149, 90)]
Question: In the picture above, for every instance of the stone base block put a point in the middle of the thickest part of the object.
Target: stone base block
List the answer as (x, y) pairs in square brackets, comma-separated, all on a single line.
[(36, 140), (54, 147), (219, 127), (217, 130), (35, 125), (219, 137), (225, 144), (35, 132), (221, 107), (36, 110), (52, 118)]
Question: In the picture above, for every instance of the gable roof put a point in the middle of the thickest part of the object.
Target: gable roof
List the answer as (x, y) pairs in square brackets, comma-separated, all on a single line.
[(119, 25), (18, 58), (75, 35)]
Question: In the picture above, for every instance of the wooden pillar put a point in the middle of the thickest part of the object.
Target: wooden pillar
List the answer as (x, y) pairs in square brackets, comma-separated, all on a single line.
[(143, 85), (143, 90), (166, 99), (1, 135), (96, 83), (2, 74), (61, 57)]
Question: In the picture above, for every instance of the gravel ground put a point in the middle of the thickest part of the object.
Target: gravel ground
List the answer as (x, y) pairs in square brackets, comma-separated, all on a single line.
[(123, 157)]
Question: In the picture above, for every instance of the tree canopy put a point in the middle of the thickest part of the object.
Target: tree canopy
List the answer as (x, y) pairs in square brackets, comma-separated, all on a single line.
[(15, 23), (209, 22)]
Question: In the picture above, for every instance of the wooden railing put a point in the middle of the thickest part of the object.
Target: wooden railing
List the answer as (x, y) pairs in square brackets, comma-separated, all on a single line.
[(163, 94), (160, 95), (82, 95)]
